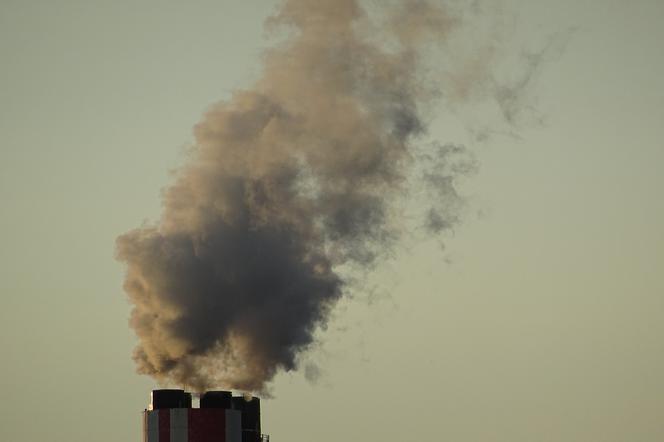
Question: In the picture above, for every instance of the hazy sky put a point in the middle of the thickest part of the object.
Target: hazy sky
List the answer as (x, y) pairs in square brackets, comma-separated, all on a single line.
[(541, 320)]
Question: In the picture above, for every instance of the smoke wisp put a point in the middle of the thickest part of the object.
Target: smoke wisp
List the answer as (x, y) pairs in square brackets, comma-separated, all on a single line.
[(289, 180)]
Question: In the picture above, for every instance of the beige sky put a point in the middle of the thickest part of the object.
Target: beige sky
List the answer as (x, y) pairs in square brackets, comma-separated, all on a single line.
[(541, 320)]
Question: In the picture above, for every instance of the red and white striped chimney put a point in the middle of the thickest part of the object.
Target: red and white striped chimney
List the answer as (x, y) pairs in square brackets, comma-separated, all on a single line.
[(220, 418)]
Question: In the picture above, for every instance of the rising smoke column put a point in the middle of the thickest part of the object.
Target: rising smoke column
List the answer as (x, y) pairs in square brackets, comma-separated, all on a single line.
[(289, 180)]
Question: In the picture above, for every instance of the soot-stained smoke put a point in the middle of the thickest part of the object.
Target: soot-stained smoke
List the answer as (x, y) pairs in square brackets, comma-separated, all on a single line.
[(289, 180)]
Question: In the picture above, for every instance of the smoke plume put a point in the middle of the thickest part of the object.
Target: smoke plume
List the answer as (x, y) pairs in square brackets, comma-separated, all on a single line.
[(289, 181)]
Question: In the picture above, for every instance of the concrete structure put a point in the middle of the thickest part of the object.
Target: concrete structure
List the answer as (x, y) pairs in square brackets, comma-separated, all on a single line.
[(220, 418)]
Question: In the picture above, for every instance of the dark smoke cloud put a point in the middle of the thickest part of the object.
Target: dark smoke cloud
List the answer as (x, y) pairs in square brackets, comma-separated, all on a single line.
[(288, 181)]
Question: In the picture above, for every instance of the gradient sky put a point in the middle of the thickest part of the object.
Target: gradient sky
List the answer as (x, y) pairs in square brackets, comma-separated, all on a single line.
[(541, 320)]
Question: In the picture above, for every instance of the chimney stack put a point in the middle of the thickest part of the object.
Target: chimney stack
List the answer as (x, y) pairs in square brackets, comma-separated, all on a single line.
[(221, 417)]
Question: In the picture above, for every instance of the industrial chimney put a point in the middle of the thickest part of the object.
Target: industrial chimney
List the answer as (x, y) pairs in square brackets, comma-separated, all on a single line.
[(221, 417)]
